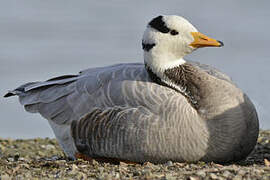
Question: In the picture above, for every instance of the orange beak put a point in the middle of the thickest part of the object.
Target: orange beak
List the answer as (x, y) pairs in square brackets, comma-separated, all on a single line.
[(201, 40)]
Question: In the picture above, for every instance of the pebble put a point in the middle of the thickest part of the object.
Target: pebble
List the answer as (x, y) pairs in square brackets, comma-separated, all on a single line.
[(241, 172), (169, 163), (213, 176), (179, 164), (201, 173), (123, 164), (237, 177), (21, 159), (49, 147), (146, 172), (74, 167), (193, 178), (226, 174), (101, 169), (10, 159), (117, 175), (94, 162)]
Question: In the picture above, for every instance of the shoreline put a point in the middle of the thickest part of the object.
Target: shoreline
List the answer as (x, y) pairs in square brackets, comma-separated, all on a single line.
[(42, 158)]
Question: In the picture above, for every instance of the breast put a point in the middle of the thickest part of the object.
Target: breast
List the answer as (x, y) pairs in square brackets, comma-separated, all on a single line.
[(231, 119), (229, 115)]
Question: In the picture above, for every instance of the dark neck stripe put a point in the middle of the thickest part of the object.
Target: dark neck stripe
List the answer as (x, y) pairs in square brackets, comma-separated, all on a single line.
[(158, 24), (157, 79), (147, 47), (183, 77), (152, 75)]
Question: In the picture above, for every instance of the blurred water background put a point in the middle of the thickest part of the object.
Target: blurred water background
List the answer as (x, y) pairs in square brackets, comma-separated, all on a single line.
[(42, 39)]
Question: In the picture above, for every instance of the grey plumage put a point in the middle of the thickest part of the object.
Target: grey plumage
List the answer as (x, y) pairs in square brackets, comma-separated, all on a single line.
[(140, 120)]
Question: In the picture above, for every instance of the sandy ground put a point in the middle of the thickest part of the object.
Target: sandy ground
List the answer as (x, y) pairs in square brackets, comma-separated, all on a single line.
[(43, 159)]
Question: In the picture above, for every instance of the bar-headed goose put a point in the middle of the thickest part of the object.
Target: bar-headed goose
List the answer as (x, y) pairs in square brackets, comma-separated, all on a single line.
[(165, 109)]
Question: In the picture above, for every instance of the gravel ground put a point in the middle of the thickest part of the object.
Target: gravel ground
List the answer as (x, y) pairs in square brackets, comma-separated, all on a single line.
[(43, 159)]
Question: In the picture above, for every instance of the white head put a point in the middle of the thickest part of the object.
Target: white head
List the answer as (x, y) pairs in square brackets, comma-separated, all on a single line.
[(167, 39)]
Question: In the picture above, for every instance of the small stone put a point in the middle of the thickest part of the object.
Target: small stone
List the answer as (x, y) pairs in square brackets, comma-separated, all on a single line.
[(237, 177), (147, 172), (241, 172), (117, 175), (213, 176), (266, 162), (201, 173), (150, 165), (74, 167), (179, 164), (94, 162), (101, 169), (21, 159), (123, 164), (10, 159), (260, 139), (61, 162), (147, 164), (49, 147), (84, 166), (258, 171), (40, 153), (193, 178), (169, 163), (226, 174)]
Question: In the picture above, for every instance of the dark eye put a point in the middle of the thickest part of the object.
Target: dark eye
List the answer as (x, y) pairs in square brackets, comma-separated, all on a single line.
[(174, 32)]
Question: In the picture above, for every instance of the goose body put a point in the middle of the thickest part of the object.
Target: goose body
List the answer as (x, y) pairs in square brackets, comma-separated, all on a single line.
[(165, 109)]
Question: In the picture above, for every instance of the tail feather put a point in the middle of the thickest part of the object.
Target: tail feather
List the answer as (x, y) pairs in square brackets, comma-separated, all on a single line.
[(61, 99), (59, 111), (41, 85), (19, 90), (46, 94), (10, 93), (54, 81), (49, 98)]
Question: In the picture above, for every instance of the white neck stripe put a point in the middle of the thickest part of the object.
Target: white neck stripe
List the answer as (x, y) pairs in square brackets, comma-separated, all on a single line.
[(173, 63)]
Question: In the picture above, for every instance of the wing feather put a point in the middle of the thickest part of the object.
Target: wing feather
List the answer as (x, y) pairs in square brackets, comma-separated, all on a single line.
[(114, 132)]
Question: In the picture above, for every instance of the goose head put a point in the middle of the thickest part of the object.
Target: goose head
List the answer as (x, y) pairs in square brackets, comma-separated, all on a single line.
[(167, 39)]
